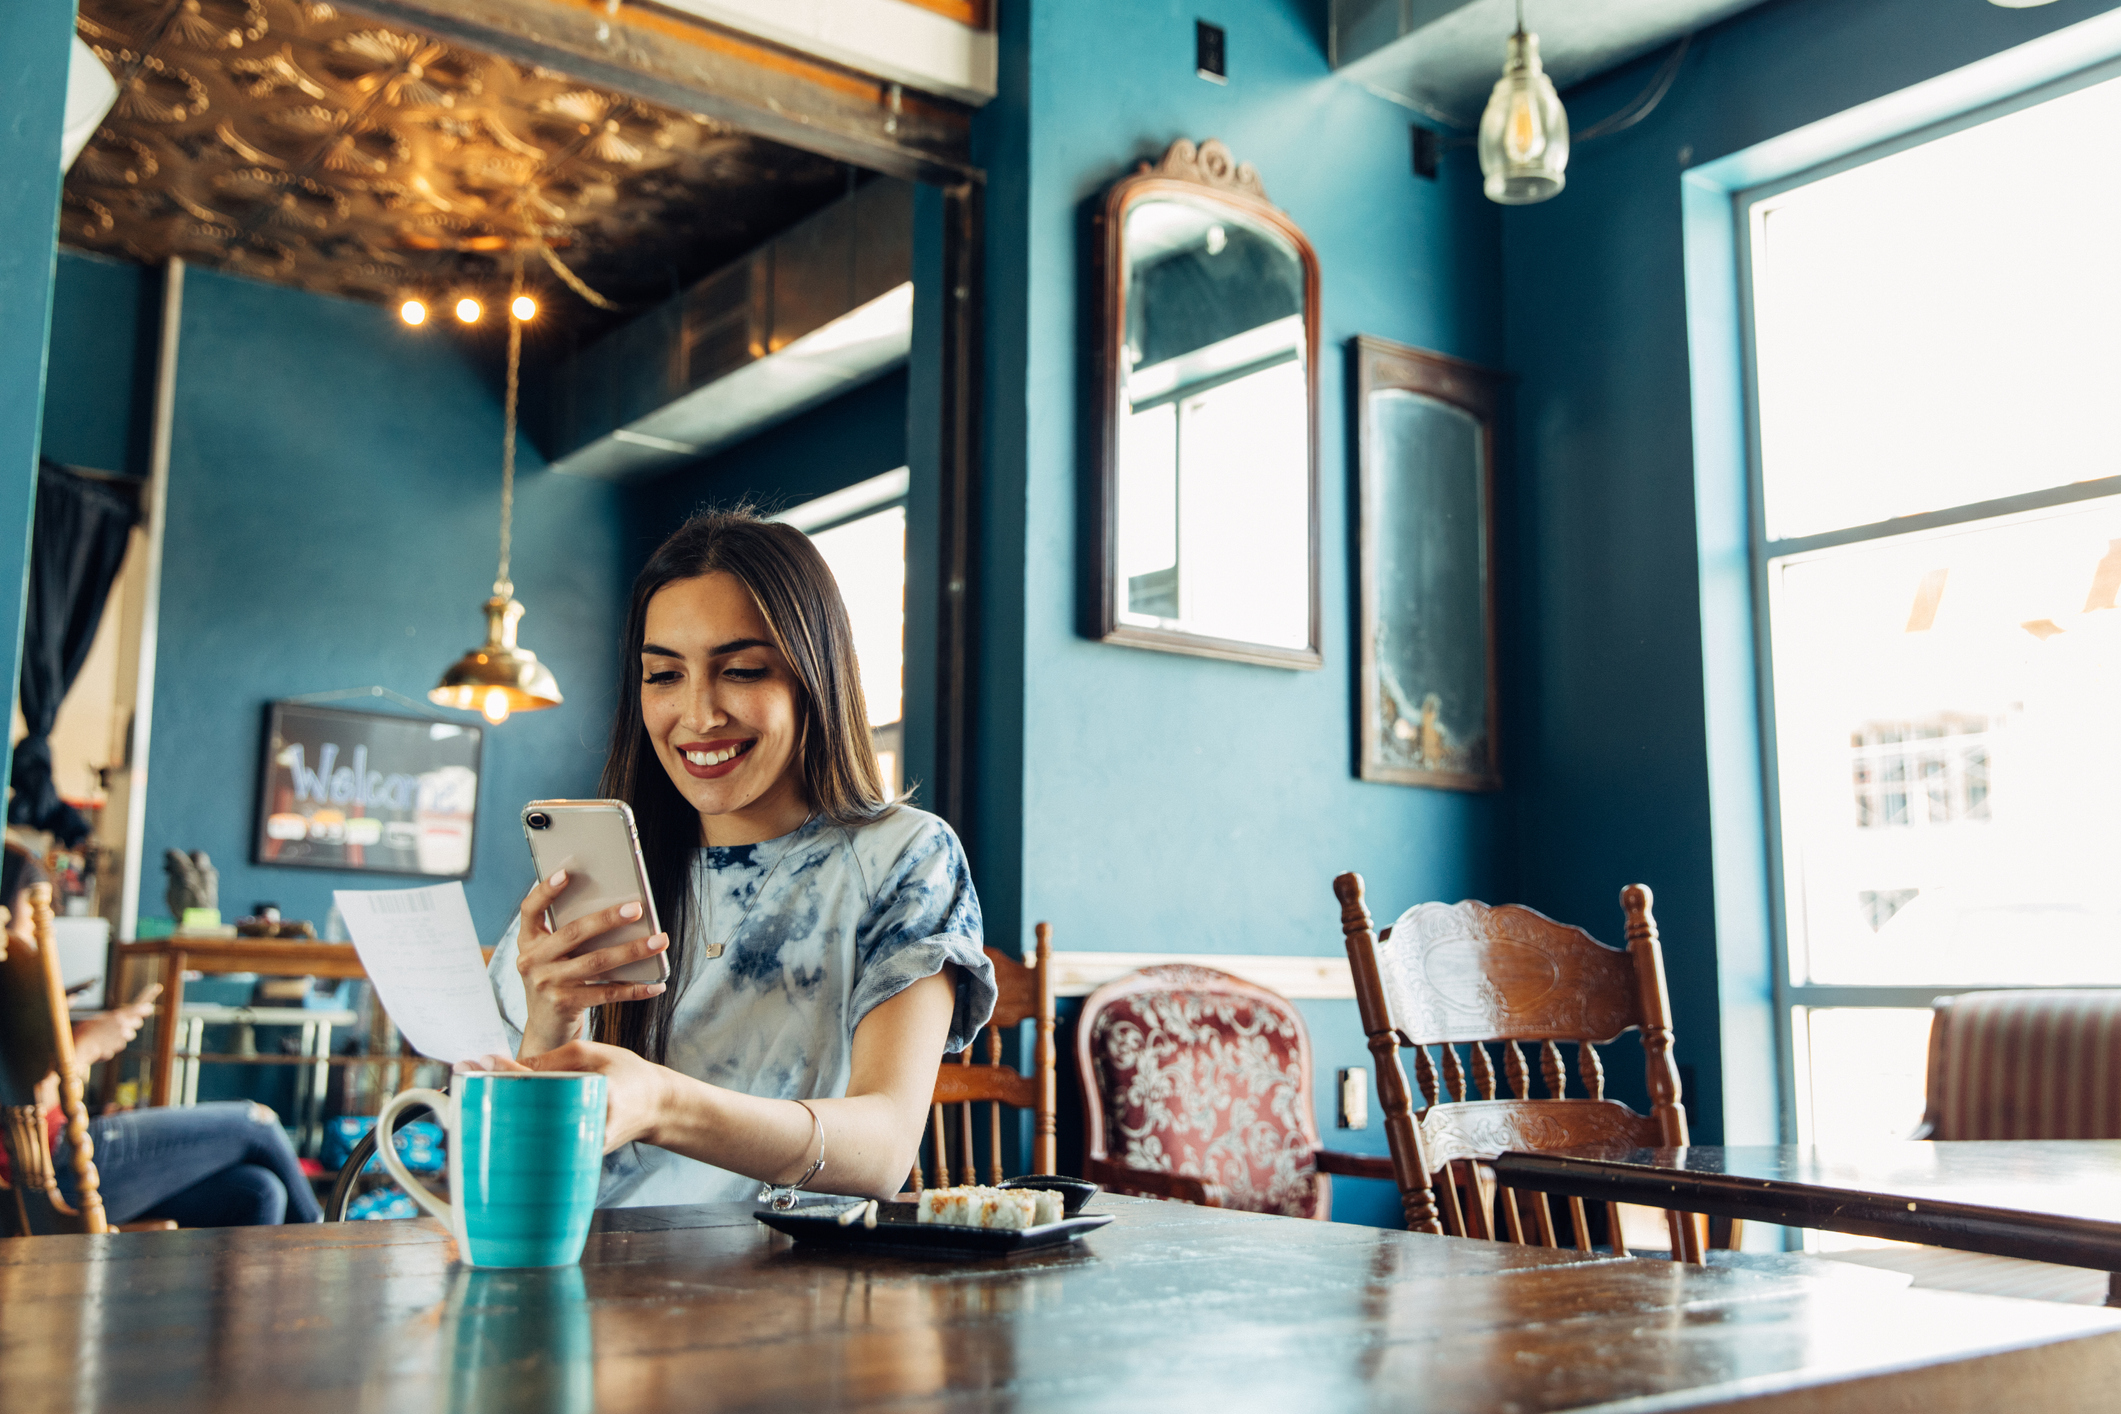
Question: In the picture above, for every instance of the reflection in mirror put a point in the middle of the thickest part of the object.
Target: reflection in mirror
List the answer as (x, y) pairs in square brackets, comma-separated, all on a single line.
[(1427, 624), (1431, 507), (1210, 486)]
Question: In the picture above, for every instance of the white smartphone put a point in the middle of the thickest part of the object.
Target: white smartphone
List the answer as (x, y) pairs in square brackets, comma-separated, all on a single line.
[(596, 843)]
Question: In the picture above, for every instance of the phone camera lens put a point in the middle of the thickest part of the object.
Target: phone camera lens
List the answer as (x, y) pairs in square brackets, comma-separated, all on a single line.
[(537, 819)]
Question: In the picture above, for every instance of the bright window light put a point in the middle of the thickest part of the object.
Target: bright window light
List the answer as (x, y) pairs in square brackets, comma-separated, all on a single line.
[(867, 555), (1936, 330), (1867, 1072), (1944, 726), (1942, 326)]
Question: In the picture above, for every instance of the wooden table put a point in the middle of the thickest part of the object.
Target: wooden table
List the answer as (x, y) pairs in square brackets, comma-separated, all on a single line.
[(1170, 1308), (179, 953), (2043, 1200)]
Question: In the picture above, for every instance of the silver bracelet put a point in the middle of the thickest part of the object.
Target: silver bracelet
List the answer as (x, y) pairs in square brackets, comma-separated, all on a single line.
[(782, 1197)]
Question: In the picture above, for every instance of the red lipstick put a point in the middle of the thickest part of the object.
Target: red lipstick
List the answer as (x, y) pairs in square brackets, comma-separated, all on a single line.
[(736, 749)]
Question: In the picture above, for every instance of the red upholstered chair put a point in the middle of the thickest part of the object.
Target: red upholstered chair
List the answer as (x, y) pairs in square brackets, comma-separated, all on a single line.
[(1197, 1086), (2025, 1065)]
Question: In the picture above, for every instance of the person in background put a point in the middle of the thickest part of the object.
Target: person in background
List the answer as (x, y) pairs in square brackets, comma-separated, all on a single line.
[(216, 1165)]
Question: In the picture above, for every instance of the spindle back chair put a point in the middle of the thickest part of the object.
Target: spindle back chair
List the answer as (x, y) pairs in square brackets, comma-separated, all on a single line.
[(1445, 976), (1022, 993), (37, 1040)]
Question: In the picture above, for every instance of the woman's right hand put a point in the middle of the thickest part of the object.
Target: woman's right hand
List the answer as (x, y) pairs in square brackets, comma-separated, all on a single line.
[(559, 977)]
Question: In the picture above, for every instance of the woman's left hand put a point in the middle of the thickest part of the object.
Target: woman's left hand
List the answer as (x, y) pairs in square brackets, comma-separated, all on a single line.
[(635, 1089)]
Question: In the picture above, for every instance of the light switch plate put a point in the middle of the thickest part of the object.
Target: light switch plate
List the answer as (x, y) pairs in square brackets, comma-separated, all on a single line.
[(1208, 54), (1354, 1097)]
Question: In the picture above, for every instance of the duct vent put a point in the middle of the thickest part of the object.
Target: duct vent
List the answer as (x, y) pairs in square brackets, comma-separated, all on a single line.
[(823, 307)]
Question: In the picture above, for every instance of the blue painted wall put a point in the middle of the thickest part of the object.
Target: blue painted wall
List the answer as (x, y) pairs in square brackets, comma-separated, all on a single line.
[(99, 387), (1604, 686), (333, 508), (1148, 801), (34, 39)]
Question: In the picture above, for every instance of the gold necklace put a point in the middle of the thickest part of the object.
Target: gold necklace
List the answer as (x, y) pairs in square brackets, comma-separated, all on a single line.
[(713, 950)]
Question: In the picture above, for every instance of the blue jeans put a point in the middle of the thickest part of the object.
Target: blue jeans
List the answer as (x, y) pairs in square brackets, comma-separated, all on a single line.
[(215, 1165)]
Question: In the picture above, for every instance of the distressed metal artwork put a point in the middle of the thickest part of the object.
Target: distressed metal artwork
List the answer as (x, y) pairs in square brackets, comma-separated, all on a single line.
[(294, 142)]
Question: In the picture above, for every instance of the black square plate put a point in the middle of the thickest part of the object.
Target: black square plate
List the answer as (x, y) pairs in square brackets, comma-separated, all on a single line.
[(899, 1232)]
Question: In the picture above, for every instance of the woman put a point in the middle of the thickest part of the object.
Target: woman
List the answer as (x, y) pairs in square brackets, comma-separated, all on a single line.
[(824, 941), (214, 1165)]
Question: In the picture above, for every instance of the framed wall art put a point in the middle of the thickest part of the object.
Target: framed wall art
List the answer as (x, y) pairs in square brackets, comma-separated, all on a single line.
[(1425, 542), (367, 791)]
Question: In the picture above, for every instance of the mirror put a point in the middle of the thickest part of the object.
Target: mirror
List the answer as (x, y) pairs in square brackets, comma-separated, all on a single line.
[(1210, 400), (1425, 555)]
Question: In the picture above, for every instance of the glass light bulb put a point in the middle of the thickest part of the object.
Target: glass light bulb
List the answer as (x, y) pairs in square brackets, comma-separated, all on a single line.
[(524, 308), (1524, 133), (1523, 137), (413, 312), (468, 310), (495, 708)]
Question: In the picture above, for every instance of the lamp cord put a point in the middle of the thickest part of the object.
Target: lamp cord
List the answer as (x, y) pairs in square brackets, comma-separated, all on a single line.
[(501, 586), (1644, 103), (573, 281)]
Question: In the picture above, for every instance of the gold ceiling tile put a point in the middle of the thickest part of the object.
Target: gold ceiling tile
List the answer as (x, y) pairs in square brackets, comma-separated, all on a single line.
[(217, 24), (267, 74), (112, 159), (295, 143)]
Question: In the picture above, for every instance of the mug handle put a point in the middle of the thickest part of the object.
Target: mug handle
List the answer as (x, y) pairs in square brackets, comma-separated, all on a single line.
[(421, 1193)]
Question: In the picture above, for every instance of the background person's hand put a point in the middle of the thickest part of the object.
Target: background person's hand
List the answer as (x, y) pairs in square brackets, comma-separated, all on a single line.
[(634, 1088), (560, 972), (106, 1034)]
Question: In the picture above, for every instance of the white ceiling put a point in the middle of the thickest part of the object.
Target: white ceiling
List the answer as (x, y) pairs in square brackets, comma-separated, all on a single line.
[(1442, 57)]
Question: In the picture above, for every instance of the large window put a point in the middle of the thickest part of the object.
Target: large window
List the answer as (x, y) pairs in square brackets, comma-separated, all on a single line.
[(861, 532), (1936, 334)]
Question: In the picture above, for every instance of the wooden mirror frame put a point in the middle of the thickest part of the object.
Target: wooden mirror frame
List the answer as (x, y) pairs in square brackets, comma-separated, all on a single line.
[(1210, 176)]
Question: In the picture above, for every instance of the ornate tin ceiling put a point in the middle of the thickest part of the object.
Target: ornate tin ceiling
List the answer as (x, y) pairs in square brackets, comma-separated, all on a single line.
[(291, 141)]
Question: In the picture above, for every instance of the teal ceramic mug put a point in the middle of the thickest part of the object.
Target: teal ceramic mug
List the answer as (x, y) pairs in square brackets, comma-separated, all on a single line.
[(525, 1152)]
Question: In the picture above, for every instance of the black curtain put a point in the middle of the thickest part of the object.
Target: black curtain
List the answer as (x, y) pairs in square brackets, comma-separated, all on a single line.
[(75, 551)]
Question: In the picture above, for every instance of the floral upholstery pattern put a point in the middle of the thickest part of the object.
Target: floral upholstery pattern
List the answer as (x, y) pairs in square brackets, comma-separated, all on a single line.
[(1210, 1085)]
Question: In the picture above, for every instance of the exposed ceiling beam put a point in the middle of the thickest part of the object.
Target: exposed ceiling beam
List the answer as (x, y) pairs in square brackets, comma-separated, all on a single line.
[(892, 39), (688, 64)]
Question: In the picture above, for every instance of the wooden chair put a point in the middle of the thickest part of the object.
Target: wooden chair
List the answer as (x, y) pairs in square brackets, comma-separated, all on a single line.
[(2040, 1064), (1467, 974), (36, 1040), (1022, 993), (1201, 1083)]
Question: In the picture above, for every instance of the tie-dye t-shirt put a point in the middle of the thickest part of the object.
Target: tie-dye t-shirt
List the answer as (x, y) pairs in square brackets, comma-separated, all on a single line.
[(818, 927)]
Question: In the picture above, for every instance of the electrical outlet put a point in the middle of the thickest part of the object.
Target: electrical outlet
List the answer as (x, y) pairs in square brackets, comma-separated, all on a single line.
[(1208, 52), (1354, 1098)]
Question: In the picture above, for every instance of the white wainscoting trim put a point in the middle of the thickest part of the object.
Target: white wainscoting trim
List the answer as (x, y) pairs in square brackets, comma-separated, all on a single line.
[(1303, 979)]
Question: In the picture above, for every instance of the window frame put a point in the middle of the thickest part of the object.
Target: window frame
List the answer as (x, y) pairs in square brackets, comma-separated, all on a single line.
[(874, 496), (1791, 998)]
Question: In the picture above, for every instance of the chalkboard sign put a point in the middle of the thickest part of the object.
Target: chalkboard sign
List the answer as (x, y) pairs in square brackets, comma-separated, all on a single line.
[(368, 792)]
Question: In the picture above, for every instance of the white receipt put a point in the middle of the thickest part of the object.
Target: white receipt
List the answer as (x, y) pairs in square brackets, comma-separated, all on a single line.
[(421, 951)]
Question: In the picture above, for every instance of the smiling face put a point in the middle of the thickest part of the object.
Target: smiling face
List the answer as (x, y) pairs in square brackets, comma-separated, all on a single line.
[(722, 707)]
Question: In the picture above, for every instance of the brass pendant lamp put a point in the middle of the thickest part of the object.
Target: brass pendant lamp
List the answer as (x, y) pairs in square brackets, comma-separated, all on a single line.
[(500, 677)]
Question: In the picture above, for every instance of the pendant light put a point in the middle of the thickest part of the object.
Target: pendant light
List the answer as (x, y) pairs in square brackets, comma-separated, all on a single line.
[(1524, 134), (499, 677)]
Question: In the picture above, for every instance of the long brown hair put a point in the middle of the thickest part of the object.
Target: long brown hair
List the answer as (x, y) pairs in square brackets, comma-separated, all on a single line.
[(800, 601)]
